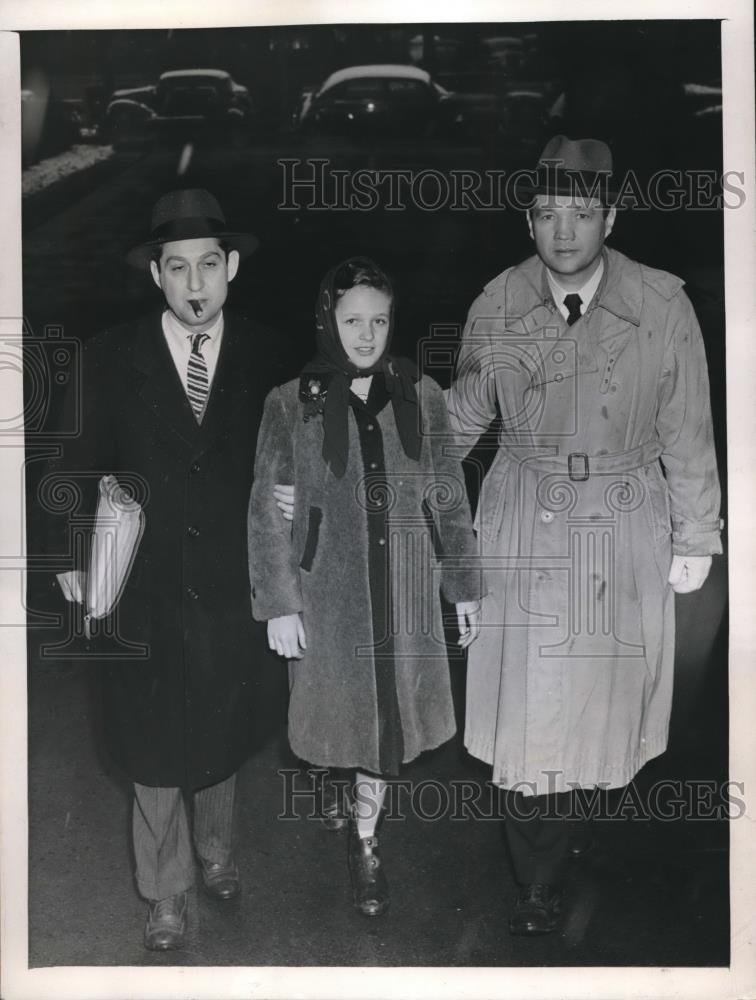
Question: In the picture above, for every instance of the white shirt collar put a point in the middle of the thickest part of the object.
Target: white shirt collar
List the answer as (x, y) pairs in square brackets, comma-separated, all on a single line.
[(175, 329), (586, 293)]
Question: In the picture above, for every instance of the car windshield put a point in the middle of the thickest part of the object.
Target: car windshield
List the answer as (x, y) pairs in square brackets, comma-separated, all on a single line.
[(408, 90), (361, 87), (191, 94), (380, 88)]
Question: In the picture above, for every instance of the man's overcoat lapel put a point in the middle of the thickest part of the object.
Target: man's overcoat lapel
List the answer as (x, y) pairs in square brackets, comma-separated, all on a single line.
[(158, 385)]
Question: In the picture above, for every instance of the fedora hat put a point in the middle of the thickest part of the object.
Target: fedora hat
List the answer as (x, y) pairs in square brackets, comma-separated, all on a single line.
[(574, 167), (188, 214)]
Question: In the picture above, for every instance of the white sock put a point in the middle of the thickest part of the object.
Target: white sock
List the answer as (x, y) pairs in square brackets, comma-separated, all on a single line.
[(369, 793)]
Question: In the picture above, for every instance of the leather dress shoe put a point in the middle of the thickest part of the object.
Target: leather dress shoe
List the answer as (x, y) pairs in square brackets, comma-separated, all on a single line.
[(369, 883), (536, 910), (166, 923), (220, 881)]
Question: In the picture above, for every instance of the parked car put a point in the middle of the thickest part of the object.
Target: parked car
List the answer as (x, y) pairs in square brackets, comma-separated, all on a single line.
[(470, 116), (191, 103), (702, 99), (525, 123), (445, 50), (378, 100), (127, 117), (48, 126), (510, 122), (503, 53)]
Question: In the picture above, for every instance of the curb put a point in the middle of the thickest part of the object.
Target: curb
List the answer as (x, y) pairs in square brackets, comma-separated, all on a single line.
[(42, 205)]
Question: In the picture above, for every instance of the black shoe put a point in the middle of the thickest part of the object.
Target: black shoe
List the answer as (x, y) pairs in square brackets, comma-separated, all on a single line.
[(220, 881), (166, 923), (369, 884), (536, 910)]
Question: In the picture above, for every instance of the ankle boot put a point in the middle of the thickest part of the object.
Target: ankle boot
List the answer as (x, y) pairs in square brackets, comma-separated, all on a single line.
[(369, 884)]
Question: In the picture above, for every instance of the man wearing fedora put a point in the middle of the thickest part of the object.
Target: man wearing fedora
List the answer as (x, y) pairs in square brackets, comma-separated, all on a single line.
[(601, 502), (173, 402)]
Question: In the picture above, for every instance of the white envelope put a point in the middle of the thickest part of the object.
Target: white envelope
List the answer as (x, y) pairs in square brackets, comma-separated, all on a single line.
[(119, 524)]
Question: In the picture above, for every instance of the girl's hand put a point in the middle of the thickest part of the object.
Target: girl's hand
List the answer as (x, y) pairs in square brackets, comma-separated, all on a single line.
[(468, 622), (286, 636)]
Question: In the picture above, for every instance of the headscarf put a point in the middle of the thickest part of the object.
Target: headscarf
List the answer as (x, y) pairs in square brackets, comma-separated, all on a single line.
[(325, 381)]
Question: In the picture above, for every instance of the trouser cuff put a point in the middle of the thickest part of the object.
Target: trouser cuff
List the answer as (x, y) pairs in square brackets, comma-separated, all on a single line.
[(166, 888), (210, 852)]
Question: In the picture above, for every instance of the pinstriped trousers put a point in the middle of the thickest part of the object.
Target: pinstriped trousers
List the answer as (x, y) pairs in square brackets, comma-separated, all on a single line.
[(162, 844)]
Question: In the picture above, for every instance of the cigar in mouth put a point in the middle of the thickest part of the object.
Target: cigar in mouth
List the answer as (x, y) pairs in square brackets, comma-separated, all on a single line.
[(196, 306)]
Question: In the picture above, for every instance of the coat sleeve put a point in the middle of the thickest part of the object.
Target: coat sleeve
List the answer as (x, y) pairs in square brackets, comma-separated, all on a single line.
[(471, 401), (273, 570), (685, 429), (461, 573)]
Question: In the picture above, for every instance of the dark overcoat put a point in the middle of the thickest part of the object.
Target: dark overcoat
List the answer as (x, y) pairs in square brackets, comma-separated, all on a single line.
[(181, 675), (364, 563)]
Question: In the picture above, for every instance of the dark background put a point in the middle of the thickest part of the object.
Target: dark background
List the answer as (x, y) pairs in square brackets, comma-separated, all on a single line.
[(622, 82)]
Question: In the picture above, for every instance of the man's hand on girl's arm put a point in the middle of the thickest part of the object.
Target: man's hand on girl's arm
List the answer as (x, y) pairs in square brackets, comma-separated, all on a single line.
[(285, 500)]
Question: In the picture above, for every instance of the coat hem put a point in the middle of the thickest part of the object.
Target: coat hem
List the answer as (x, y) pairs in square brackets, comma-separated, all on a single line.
[(350, 763), (552, 779)]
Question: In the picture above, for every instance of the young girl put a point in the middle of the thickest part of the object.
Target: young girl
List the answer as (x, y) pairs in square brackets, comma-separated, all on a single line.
[(350, 589)]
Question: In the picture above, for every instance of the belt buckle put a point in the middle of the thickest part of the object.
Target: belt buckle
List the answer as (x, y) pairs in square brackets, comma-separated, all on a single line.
[(579, 476)]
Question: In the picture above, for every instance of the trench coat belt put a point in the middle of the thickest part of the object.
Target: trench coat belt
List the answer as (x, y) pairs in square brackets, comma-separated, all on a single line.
[(579, 466)]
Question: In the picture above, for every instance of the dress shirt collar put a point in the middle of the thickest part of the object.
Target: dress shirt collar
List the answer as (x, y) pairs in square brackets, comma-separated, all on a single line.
[(178, 332), (586, 293)]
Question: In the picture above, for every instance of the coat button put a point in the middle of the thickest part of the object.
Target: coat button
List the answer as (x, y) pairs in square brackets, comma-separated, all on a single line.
[(381, 541), (192, 531), (371, 427), (373, 465), (191, 592), (547, 516), (195, 467)]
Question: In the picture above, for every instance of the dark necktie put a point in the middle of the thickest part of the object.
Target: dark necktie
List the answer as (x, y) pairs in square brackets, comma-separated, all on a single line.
[(197, 381), (573, 303)]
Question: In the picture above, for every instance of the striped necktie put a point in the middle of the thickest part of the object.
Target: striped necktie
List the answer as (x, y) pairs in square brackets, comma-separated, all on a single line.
[(197, 382)]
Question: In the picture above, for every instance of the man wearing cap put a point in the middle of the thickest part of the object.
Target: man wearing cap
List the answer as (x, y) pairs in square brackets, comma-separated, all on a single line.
[(602, 501), (172, 403)]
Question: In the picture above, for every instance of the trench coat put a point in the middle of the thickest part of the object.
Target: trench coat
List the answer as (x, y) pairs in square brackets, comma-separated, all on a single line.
[(184, 660), (411, 518), (605, 467)]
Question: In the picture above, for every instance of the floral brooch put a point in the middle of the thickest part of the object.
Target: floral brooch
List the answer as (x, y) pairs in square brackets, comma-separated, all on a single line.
[(313, 390)]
